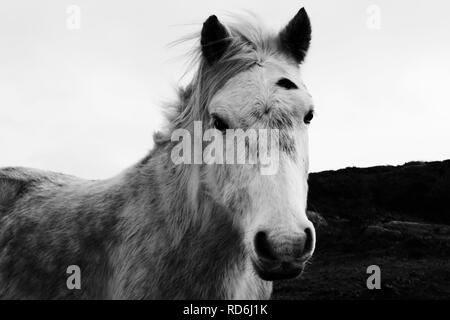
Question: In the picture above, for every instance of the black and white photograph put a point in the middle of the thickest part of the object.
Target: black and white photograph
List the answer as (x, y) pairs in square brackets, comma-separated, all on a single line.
[(289, 151)]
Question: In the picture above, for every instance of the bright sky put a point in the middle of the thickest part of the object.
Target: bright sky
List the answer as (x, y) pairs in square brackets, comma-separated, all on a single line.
[(86, 101)]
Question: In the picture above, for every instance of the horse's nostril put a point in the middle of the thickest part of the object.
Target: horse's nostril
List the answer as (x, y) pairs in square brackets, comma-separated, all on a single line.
[(263, 248), (308, 242)]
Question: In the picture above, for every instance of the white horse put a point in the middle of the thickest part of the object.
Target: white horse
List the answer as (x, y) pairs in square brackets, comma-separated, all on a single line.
[(176, 231)]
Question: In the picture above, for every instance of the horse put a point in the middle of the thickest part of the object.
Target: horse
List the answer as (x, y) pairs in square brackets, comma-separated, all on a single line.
[(160, 230)]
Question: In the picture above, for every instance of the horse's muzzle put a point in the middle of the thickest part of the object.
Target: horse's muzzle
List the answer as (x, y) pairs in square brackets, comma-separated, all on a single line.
[(281, 271), (277, 260)]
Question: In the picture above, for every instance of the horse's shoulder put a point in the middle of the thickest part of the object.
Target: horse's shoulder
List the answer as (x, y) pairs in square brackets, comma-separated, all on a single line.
[(17, 181), (11, 176)]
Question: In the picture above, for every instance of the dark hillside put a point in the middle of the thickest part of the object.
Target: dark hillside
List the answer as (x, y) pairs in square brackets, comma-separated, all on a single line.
[(418, 190), (397, 218)]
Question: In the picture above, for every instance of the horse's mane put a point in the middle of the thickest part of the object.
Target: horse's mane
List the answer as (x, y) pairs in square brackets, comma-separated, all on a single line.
[(251, 43)]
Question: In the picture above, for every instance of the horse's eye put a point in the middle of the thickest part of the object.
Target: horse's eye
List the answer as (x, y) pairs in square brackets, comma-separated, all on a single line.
[(308, 117), (219, 124)]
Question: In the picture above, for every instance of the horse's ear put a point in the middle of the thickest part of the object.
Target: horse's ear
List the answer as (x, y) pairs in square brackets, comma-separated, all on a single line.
[(214, 40), (296, 36)]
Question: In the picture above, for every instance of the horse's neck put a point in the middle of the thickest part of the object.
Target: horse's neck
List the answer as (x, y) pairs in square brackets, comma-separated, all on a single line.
[(204, 241)]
